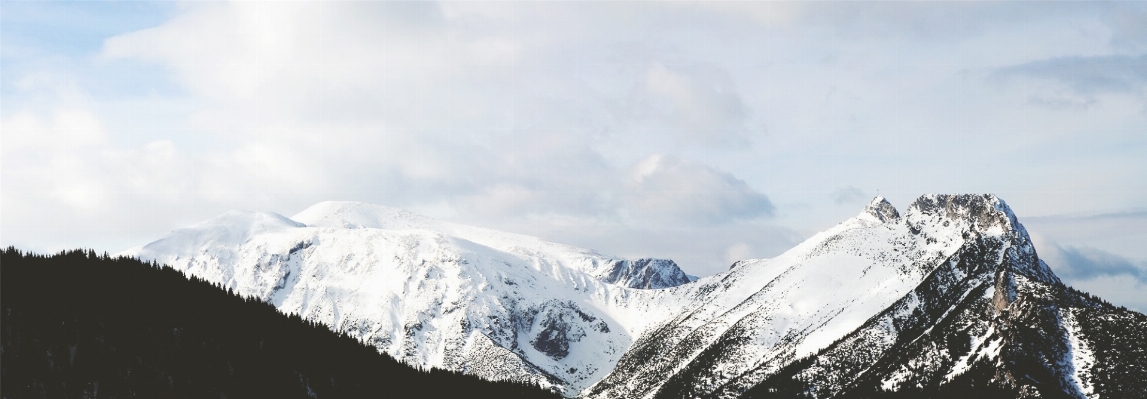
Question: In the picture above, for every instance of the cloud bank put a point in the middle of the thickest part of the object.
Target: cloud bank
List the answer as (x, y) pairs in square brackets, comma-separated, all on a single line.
[(696, 131)]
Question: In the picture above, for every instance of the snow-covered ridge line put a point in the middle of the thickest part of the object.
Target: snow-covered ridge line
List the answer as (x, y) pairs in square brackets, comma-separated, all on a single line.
[(882, 285), (845, 297), (431, 293)]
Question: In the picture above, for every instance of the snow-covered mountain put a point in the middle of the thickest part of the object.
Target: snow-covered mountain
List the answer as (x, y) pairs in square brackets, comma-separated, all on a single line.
[(949, 298), (433, 294), (950, 294)]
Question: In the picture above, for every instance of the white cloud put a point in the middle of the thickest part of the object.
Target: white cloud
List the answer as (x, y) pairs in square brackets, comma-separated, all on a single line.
[(71, 178), (520, 115), (47, 156), (664, 187), (63, 176), (1079, 81), (1114, 277), (1117, 233), (433, 107), (697, 105), (1086, 263)]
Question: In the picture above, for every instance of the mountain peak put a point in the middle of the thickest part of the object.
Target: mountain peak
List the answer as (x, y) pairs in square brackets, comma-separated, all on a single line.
[(981, 212), (882, 210), (645, 273), (983, 215), (954, 281)]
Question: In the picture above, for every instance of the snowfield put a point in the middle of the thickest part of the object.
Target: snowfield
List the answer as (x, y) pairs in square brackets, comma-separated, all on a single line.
[(433, 294)]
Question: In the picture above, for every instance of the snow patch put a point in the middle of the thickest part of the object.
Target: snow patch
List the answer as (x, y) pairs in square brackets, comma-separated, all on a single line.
[(1082, 358)]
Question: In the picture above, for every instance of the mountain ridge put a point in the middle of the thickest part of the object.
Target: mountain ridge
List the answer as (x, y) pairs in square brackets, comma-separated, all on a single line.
[(430, 293), (990, 307), (583, 322)]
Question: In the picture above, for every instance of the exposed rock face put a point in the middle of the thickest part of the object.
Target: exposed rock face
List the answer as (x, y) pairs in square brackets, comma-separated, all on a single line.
[(561, 323), (963, 323), (643, 273), (962, 305), (882, 210)]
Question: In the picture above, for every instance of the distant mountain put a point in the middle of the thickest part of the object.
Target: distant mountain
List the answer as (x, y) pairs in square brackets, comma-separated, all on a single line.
[(948, 298), (78, 325), (642, 273)]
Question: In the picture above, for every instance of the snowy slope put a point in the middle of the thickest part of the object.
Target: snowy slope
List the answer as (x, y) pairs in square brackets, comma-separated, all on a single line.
[(760, 315), (949, 293), (641, 273), (949, 300), (434, 294)]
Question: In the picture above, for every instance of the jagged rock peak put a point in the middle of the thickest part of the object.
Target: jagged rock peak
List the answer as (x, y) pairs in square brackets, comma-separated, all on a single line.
[(980, 211), (882, 210), (643, 273)]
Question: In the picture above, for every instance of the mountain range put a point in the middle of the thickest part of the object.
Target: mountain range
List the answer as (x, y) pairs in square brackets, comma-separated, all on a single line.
[(947, 298)]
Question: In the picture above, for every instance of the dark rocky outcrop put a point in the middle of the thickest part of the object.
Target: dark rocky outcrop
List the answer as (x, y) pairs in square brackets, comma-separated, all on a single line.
[(644, 273)]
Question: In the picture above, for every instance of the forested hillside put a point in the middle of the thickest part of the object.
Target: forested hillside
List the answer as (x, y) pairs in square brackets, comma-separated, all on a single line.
[(77, 325)]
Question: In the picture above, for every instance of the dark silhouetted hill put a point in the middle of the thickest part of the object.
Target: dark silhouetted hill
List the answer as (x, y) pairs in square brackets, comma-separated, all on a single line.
[(78, 325)]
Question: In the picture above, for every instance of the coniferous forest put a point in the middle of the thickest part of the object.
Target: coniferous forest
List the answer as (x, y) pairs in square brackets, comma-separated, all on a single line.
[(77, 325)]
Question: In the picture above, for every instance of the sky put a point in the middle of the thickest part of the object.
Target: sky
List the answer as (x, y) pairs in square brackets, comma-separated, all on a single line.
[(704, 132)]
